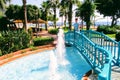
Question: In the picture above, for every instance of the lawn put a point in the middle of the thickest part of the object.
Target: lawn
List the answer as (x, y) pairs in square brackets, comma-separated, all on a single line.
[(111, 35)]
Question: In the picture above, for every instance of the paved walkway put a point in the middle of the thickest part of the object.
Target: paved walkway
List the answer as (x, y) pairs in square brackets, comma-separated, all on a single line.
[(115, 73)]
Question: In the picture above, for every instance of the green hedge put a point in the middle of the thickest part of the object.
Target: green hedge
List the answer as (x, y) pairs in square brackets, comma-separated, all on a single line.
[(66, 29), (53, 31), (42, 41), (117, 37), (11, 41), (107, 29)]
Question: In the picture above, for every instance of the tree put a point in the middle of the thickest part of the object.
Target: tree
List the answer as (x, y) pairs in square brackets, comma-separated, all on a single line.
[(109, 8), (16, 12), (54, 4), (3, 4), (70, 4), (63, 11), (32, 12), (45, 10), (85, 11), (25, 15), (13, 12)]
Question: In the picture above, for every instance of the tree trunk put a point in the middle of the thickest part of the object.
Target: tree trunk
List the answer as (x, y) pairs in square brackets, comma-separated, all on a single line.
[(82, 23), (55, 17), (70, 16), (25, 15), (114, 21), (65, 19), (88, 25), (46, 27)]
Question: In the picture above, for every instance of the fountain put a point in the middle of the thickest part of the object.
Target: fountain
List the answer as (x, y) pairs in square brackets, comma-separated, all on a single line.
[(60, 49), (62, 63), (58, 58)]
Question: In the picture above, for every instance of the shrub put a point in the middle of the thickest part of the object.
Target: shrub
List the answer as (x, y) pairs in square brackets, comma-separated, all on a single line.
[(42, 41), (53, 31), (117, 37), (117, 27), (106, 29), (3, 23), (14, 40), (66, 29)]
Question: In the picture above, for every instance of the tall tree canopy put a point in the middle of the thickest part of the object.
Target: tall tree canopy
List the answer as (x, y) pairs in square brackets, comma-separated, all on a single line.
[(85, 11), (3, 4), (109, 8), (16, 12), (70, 4), (54, 5), (63, 11), (13, 12), (45, 11)]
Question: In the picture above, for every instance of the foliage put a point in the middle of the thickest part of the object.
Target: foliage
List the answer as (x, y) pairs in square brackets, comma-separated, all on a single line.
[(111, 35), (16, 12), (11, 41), (3, 23), (32, 12), (70, 4), (3, 4), (42, 41), (13, 12), (85, 11), (117, 27), (117, 37), (66, 29), (107, 29), (109, 8), (53, 31), (63, 11), (45, 10)]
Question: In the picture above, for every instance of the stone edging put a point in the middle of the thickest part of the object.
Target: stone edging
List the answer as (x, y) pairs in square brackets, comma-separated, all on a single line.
[(21, 53)]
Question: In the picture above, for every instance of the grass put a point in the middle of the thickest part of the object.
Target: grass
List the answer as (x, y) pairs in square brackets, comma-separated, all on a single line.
[(111, 35)]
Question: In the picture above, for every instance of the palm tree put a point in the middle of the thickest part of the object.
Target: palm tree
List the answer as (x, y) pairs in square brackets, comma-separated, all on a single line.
[(45, 9), (70, 4), (63, 11), (54, 4), (85, 11), (25, 15), (3, 3)]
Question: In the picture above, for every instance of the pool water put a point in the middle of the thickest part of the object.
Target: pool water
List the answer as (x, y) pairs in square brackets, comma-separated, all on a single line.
[(36, 67)]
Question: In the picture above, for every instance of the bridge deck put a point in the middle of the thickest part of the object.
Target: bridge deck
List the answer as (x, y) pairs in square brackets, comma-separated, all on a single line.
[(115, 74)]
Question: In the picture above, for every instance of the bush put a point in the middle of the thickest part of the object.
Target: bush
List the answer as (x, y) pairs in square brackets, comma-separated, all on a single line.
[(117, 27), (117, 37), (42, 41), (53, 31), (66, 29), (11, 41), (106, 29), (3, 23)]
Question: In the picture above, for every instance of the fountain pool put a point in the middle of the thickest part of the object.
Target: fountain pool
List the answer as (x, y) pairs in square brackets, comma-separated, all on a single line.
[(37, 67)]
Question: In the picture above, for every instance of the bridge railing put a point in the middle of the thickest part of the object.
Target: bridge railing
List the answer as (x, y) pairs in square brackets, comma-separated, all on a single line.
[(99, 59), (107, 43)]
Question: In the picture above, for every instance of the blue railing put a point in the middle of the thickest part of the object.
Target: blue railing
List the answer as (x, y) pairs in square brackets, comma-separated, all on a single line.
[(98, 58), (105, 42)]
